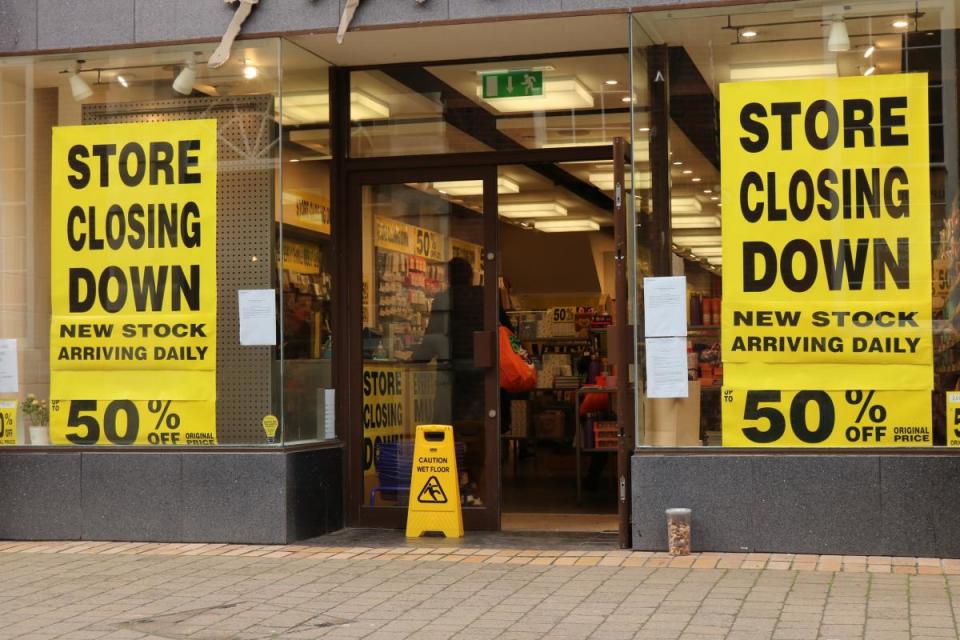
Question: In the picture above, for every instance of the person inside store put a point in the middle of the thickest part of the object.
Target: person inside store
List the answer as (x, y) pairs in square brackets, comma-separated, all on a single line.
[(456, 314), (297, 327)]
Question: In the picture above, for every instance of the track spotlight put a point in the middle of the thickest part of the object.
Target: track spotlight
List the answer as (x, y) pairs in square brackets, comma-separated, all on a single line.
[(838, 40), (188, 75), (78, 86)]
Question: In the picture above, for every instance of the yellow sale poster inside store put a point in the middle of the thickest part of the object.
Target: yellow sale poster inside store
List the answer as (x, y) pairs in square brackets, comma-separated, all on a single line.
[(383, 410), (134, 284), (826, 247), (953, 418), (8, 422)]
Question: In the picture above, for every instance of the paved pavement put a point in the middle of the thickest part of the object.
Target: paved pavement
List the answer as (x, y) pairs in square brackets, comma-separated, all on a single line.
[(217, 592)]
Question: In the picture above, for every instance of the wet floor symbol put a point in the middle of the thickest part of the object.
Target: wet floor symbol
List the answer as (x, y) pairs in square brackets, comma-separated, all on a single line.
[(432, 492)]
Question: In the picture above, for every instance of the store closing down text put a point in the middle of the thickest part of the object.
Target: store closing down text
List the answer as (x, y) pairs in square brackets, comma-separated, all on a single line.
[(830, 195)]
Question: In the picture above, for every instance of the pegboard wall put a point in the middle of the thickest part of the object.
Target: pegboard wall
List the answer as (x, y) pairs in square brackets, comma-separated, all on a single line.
[(246, 157)]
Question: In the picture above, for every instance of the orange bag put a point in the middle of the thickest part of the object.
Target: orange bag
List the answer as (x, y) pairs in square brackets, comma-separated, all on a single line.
[(594, 403), (516, 373)]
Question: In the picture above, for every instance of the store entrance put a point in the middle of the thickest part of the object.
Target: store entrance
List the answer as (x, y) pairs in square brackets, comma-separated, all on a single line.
[(559, 440), (448, 257), (425, 342)]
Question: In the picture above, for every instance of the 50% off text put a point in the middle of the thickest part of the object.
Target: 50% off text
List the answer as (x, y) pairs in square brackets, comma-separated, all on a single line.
[(130, 422), (827, 418)]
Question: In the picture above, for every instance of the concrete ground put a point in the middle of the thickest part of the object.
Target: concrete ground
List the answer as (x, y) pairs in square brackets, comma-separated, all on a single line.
[(81, 590)]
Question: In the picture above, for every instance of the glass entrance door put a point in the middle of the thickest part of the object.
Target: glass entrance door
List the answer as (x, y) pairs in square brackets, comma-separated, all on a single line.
[(425, 346)]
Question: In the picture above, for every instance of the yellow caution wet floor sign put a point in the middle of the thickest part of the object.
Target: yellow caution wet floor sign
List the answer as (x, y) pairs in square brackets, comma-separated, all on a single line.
[(434, 486)]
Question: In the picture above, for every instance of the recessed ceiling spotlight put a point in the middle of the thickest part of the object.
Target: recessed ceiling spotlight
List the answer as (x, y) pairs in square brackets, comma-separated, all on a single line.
[(677, 163), (900, 23), (611, 83), (714, 198), (869, 51), (626, 99), (687, 172), (708, 190), (123, 81), (696, 179), (870, 70), (748, 33), (249, 71), (644, 129)]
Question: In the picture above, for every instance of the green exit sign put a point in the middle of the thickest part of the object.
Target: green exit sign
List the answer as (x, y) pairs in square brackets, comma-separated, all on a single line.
[(512, 84)]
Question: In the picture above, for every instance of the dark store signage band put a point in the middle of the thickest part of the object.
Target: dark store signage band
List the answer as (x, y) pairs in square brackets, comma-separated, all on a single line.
[(827, 319), (134, 305)]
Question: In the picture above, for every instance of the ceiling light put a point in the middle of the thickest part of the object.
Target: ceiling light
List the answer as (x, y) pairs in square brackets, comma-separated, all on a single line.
[(532, 210), (869, 51), (312, 107), (705, 252), (475, 187), (644, 129), (838, 40), (748, 33), (688, 205), (900, 23), (714, 197), (694, 241), (604, 180), (558, 93), (696, 222), (249, 71), (78, 87), (696, 179), (294, 159), (783, 71), (687, 172), (183, 83), (626, 99), (123, 81), (611, 83), (708, 190), (640, 147), (562, 226), (869, 71), (677, 163)]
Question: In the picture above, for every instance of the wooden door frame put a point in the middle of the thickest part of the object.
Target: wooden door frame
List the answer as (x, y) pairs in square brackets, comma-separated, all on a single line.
[(348, 355)]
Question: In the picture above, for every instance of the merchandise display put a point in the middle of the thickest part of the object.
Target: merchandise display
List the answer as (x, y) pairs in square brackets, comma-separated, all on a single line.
[(407, 286)]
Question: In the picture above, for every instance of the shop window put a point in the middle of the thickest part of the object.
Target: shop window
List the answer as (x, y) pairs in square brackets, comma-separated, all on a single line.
[(821, 316), (142, 208)]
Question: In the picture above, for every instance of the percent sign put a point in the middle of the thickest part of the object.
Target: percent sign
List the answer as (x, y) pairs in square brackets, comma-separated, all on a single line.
[(876, 412), (170, 420)]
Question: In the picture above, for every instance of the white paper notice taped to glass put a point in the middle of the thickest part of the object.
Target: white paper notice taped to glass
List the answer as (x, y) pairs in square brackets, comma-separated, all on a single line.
[(667, 368), (258, 317), (665, 307), (9, 378)]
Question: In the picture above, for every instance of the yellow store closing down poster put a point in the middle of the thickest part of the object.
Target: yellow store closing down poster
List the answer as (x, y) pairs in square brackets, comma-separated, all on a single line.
[(827, 267), (134, 284)]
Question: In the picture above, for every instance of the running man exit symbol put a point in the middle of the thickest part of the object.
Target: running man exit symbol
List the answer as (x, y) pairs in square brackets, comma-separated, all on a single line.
[(512, 84), (432, 492)]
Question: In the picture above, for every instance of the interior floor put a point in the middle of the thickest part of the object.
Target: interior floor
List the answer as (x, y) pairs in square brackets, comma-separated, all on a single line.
[(539, 491)]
